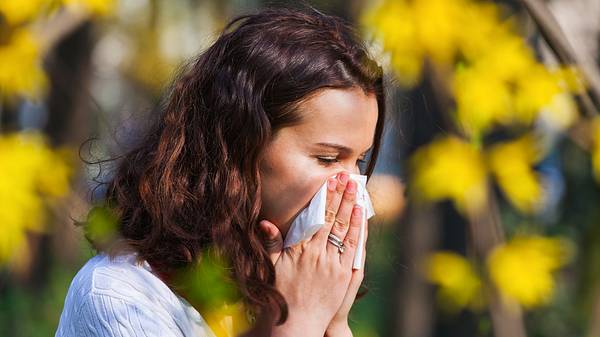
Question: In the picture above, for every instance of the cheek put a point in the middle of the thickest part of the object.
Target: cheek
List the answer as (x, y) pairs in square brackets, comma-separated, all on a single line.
[(289, 187), (296, 195)]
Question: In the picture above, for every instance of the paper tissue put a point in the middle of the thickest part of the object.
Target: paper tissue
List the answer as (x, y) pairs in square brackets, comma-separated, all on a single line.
[(312, 217)]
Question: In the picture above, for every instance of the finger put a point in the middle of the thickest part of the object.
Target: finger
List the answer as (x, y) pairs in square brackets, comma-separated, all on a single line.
[(364, 245), (342, 218), (364, 256), (332, 208), (331, 186), (351, 239), (357, 276), (272, 239)]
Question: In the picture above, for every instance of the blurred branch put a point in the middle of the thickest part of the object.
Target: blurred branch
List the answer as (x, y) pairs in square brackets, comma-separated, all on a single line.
[(414, 303), (581, 134), (486, 233), (485, 230), (594, 329), (55, 28), (560, 46)]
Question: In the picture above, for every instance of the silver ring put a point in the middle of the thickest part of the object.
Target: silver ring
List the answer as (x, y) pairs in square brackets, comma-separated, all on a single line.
[(334, 240)]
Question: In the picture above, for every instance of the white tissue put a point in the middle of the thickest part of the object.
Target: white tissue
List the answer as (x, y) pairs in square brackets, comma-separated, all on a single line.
[(312, 217)]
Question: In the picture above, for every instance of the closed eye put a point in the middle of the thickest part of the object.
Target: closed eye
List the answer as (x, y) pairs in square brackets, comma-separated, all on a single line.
[(333, 160)]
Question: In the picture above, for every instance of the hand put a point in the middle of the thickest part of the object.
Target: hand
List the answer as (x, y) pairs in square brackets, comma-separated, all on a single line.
[(312, 276), (338, 327)]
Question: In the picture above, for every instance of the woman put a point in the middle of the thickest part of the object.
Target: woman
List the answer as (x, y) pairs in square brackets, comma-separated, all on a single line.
[(284, 99)]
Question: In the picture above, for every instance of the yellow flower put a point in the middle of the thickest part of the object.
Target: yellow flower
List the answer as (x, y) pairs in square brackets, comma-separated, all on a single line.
[(561, 112), (523, 268), (511, 163), (570, 79), (479, 21), (19, 11), (222, 307), (228, 320), (535, 89), (497, 79), (506, 58), (31, 172), (596, 147), (438, 27), (394, 23), (481, 99), (508, 88), (450, 168), (95, 7), (20, 67), (459, 284), (504, 85)]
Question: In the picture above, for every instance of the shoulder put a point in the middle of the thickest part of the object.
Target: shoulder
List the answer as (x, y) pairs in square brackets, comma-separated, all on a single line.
[(118, 293), (123, 277), (120, 277)]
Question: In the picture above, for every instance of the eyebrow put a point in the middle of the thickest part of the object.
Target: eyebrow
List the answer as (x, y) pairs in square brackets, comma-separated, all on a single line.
[(342, 148)]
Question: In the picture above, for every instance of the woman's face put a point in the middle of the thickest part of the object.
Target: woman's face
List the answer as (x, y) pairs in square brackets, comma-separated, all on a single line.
[(338, 128)]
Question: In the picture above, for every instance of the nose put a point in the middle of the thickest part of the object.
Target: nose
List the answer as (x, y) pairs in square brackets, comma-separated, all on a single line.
[(352, 169)]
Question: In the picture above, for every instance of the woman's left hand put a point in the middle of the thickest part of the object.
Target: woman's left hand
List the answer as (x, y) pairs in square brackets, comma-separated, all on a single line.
[(338, 327)]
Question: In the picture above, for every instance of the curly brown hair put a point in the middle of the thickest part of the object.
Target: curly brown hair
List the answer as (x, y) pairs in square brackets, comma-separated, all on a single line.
[(193, 181)]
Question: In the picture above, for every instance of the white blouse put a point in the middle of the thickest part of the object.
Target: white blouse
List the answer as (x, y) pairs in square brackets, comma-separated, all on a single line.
[(121, 298)]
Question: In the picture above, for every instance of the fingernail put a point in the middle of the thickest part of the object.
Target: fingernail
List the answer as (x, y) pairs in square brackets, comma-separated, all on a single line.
[(331, 184), (343, 177), (356, 210), (351, 186)]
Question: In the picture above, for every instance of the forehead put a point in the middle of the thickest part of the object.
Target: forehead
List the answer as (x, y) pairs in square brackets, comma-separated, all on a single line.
[(344, 116)]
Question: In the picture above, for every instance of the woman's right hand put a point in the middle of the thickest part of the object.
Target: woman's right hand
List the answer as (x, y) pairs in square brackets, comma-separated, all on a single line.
[(313, 276)]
